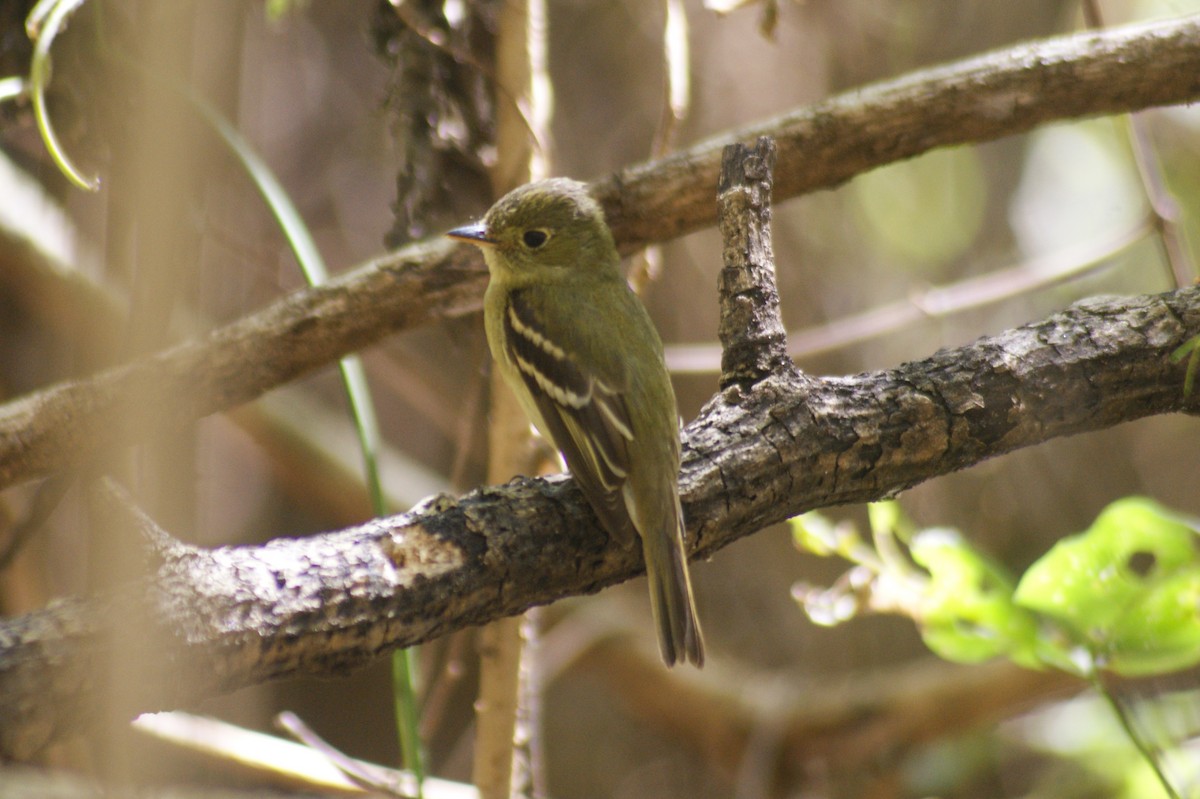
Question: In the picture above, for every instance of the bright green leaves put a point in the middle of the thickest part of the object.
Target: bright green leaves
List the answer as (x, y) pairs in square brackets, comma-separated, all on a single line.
[(1127, 590), (969, 615), (1122, 596), (814, 533)]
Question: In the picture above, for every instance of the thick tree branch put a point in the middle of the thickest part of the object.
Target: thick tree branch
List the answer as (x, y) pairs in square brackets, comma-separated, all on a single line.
[(982, 98), (754, 456), (986, 97)]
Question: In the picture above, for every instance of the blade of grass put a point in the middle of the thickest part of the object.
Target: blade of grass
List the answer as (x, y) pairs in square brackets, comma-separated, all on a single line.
[(357, 391), (1190, 350), (43, 25)]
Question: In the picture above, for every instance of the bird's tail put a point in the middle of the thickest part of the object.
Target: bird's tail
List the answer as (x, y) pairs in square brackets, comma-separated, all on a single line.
[(679, 635)]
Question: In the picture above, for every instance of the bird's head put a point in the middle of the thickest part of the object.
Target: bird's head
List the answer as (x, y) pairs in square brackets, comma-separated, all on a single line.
[(542, 228)]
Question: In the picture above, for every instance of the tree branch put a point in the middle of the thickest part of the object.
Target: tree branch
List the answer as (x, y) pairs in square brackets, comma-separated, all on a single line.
[(849, 726), (983, 98), (753, 341), (755, 456)]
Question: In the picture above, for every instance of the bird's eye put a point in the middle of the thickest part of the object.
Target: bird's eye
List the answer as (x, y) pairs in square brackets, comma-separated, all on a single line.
[(535, 238)]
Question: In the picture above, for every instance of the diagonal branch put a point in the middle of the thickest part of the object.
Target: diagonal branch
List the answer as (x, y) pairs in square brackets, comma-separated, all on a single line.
[(998, 94), (982, 98), (755, 456)]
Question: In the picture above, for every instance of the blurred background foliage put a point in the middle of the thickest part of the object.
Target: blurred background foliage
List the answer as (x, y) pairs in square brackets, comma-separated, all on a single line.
[(314, 90)]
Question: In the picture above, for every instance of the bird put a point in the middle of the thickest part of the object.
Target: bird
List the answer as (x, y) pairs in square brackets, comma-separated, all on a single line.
[(579, 351)]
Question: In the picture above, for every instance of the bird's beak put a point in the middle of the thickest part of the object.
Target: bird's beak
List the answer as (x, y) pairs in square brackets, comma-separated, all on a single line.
[(475, 234)]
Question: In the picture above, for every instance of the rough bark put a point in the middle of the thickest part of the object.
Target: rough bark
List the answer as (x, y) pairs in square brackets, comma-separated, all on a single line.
[(753, 340), (982, 98), (242, 615), (1011, 90)]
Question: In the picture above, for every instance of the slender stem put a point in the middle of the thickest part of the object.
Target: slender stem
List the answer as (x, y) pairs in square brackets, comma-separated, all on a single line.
[(1147, 752), (362, 408), (407, 723)]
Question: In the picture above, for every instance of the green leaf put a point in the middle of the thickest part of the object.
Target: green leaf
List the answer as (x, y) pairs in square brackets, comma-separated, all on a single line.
[(1161, 633), (816, 533), (968, 613), (887, 517), (1126, 589)]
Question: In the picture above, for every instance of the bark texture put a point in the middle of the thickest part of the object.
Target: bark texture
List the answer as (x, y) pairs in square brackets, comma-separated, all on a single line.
[(753, 341), (755, 456), (993, 95)]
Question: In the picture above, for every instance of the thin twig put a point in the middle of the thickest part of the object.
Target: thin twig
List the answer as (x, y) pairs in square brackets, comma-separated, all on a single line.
[(371, 777), (505, 732), (1181, 265), (676, 101)]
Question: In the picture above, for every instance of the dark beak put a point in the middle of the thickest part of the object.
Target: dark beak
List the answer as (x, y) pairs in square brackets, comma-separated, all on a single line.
[(475, 234)]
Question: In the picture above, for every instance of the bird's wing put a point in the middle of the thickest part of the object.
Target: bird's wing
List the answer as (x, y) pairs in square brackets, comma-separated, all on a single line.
[(587, 417)]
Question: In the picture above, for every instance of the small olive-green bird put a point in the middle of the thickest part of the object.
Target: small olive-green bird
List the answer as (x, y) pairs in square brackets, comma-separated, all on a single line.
[(583, 358)]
